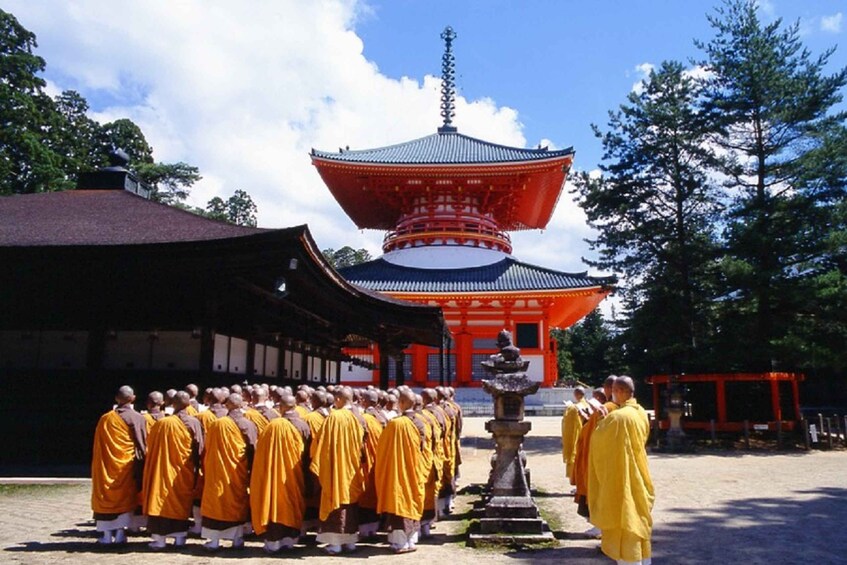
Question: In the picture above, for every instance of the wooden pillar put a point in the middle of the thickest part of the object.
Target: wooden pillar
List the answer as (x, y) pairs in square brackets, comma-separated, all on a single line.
[(207, 353), (795, 392), (399, 362), (775, 406), (656, 410), (383, 367), (720, 388)]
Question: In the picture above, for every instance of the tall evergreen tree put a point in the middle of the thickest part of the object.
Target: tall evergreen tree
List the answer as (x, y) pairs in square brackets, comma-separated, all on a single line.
[(27, 162), (784, 165), (654, 208)]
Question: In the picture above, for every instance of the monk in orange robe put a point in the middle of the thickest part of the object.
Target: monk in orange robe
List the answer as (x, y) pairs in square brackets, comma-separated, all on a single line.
[(337, 454), (259, 413), (229, 451), (448, 474), (154, 413), (437, 420), (321, 404), (303, 404), (368, 517), (171, 467), (581, 457), (214, 401), (575, 415), (401, 474), (620, 490), (276, 485), (117, 463)]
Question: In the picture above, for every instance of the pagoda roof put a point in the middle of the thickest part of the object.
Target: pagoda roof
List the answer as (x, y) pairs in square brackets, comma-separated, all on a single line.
[(443, 148), (505, 275)]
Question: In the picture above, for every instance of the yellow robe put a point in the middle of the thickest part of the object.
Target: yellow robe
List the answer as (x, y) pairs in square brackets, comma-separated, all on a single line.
[(620, 490), (368, 498), (571, 426), (302, 411), (401, 471), (337, 461), (225, 466), (113, 487), (276, 485), (169, 470)]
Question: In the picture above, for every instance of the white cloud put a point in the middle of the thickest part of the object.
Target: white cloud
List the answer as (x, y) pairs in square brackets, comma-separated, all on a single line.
[(832, 24), (245, 90), (766, 8), (643, 72)]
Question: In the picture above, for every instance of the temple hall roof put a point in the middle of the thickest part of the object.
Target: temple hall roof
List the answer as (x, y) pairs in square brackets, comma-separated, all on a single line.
[(103, 217), (443, 148), (508, 274)]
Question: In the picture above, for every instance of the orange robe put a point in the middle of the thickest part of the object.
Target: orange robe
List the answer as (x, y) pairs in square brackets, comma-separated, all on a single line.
[(302, 410), (169, 470), (436, 466), (401, 469), (315, 420), (206, 418), (337, 461), (225, 466), (580, 469), (368, 499), (276, 485), (113, 486), (449, 447), (257, 418)]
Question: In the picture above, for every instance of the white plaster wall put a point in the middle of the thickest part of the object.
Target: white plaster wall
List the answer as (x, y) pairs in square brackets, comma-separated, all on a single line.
[(444, 257)]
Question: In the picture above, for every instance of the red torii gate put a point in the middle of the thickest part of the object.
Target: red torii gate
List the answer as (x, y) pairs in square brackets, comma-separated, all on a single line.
[(728, 420)]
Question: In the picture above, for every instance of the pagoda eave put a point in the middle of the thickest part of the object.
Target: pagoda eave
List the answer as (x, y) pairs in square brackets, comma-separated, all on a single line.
[(566, 306), (518, 195)]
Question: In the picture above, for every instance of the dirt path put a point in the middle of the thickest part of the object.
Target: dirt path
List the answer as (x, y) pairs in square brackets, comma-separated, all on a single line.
[(724, 508)]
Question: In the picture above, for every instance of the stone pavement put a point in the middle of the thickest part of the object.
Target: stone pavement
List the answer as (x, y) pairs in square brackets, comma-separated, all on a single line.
[(720, 507)]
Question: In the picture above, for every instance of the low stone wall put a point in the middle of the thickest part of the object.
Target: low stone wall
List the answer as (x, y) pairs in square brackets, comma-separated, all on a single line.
[(545, 402)]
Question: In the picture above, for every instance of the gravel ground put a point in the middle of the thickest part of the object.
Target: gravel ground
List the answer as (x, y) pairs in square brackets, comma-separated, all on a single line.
[(721, 507)]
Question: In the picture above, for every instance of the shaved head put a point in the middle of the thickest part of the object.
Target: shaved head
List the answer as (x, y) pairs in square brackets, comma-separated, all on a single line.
[(155, 398), (287, 402), (429, 395), (235, 401), (125, 395), (192, 390), (181, 400)]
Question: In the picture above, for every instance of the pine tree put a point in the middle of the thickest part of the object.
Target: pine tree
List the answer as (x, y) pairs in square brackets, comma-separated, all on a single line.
[(654, 208), (784, 167)]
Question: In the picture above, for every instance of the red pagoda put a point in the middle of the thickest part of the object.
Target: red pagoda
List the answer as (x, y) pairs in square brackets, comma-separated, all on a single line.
[(447, 202)]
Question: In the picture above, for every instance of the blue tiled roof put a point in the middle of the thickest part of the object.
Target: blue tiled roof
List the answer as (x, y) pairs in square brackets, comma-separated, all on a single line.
[(443, 148), (505, 275)]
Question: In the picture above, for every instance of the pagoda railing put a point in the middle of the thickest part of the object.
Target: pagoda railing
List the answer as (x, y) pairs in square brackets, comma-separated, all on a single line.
[(429, 232)]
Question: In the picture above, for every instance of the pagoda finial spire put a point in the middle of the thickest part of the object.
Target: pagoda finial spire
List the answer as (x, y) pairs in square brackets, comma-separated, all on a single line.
[(448, 83)]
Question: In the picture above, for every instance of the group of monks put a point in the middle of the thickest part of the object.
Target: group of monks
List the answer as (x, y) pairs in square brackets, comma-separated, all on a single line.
[(604, 449), (344, 463)]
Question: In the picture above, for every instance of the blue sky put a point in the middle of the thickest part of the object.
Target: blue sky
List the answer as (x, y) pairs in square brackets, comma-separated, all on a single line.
[(563, 65), (245, 89)]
